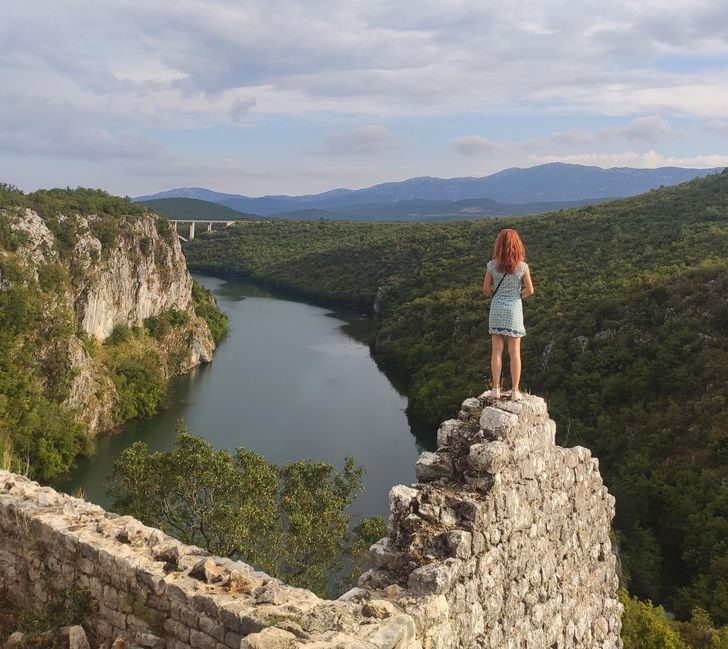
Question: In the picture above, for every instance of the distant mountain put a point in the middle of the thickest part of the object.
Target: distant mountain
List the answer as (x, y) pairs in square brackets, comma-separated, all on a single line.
[(543, 183), (470, 209), (187, 208)]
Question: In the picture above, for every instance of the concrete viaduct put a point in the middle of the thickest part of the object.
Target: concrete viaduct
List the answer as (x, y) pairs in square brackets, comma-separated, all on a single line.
[(194, 222)]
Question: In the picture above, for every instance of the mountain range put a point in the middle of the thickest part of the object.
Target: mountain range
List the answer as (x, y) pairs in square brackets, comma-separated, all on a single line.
[(548, 183)]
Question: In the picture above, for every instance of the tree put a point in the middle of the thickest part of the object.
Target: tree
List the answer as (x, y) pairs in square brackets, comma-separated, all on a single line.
[(291, 521), (645, 626)]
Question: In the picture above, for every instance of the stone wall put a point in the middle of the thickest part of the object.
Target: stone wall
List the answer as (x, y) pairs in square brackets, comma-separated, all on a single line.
[(503, 542)]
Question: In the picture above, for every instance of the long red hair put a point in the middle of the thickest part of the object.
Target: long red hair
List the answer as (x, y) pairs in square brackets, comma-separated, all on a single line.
[(508, 251)]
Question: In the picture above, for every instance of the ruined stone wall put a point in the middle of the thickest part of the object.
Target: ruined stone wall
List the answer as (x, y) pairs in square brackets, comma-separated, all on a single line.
[(504, 542)]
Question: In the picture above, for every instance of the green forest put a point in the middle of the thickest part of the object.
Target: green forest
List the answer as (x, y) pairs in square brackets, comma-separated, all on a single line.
[(192, 208), (627, 340)]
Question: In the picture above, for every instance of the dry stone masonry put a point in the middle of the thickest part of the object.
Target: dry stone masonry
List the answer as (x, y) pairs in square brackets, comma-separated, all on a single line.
[(503, 543)]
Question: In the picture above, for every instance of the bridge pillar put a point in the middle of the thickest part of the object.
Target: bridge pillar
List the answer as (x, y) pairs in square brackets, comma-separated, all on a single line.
[(209, 226), (192, 230)]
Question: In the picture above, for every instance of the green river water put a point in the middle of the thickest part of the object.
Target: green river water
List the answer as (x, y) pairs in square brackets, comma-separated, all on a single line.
[(290, 381)]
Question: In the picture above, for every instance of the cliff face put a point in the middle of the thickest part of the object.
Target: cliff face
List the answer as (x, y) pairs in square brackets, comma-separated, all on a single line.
[(110, 273), (130, 285)]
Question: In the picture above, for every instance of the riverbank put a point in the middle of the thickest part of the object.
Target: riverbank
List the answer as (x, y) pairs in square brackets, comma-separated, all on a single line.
[(290, 381)]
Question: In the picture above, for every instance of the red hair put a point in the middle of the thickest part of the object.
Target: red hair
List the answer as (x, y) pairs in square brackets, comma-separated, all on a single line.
[(508, 251)]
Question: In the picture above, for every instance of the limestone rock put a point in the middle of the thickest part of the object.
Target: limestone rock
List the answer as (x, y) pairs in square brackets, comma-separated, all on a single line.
[(77, 638), (378, 608), (15, 640), (432, 466), (206, 570), (490, 457), (446, 431), (432, 579), (497, 423)]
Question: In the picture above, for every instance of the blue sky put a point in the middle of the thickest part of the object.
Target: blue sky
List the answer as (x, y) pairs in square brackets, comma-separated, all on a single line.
[(276, 96)]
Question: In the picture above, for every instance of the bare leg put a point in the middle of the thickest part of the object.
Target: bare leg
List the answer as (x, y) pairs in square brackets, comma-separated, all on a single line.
[(496, 360), (514, 352)]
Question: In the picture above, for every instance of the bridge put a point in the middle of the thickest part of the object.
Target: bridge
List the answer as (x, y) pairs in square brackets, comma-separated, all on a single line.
[(194, 222)]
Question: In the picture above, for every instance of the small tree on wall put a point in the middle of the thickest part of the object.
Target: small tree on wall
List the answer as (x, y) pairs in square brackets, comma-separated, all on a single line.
[(292, 521)]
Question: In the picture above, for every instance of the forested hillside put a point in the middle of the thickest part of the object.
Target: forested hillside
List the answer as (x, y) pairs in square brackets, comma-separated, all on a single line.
[(192, 208), (627, 339), (97, 312)]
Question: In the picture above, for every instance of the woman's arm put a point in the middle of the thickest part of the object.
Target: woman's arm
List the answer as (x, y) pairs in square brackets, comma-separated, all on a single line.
[(527, 290), (488, 284)]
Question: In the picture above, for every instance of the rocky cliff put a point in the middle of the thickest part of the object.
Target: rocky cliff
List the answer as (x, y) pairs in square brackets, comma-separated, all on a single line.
[(503, 543), (101, 314)]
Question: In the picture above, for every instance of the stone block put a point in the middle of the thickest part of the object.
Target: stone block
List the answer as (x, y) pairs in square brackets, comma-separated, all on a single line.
[(150, 640), (432, 466), (77, 638), (459, 543), (179, 630), (232, 640), (384, 554), (378, 608), (434, 578), (212, 628), (470, 407), (397, 631), (270, 638), (447, 430), (490, 457), (496, 423), (115, 618), (136, 624), (200, 640), (400, 499)]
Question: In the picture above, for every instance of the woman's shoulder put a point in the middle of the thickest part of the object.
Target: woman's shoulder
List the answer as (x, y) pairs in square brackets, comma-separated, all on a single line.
[(491, 265), (522, 268)]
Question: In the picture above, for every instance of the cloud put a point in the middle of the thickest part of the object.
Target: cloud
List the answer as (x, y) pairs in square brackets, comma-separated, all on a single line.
[(644, 129), (472, 145), (145, 75), (46, 128), (406, 59), (719, 126), (364, 139), (648, 129), (241, 107)]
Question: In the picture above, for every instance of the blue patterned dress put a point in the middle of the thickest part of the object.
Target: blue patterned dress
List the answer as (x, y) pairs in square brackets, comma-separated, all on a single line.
[(506, 308)]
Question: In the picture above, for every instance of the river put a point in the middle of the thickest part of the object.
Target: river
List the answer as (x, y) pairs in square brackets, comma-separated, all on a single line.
[(290, 381)]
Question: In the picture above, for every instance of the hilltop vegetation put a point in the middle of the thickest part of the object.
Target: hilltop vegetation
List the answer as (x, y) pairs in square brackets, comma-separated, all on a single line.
[(44, 414), (192, 208), (627, 339)]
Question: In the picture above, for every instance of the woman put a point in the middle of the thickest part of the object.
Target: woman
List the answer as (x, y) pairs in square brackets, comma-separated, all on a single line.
[(507, 281)]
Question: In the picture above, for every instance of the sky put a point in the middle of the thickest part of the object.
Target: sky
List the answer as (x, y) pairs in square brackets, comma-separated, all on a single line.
[(290, 97)]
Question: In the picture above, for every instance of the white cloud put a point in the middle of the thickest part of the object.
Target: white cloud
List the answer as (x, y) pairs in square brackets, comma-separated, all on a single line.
[(364, 139), (648, 130), (719, 126), (101, 80), (472, 145), (644, 129)]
